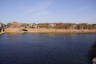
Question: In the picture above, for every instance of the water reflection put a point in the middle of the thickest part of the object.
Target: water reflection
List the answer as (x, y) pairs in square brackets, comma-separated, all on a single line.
[(29, 48)]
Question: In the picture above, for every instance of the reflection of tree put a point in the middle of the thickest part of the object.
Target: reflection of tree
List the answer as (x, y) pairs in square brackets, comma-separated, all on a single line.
[(92, 53)]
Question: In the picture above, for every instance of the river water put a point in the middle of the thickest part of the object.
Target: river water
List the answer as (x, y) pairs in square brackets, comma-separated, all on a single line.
[(28, 48)]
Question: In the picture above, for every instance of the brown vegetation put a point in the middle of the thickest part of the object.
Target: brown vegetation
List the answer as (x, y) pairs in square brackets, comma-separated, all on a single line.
[(51, 27)]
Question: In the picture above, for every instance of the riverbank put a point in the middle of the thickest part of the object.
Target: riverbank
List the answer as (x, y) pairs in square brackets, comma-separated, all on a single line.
[(1, 32), (45, 30)]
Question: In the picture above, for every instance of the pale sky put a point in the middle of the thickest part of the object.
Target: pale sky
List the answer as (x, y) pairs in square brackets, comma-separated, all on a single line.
[(36, 11)]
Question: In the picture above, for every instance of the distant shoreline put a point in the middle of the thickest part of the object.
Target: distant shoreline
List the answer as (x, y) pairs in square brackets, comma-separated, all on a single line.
[(45, 30)]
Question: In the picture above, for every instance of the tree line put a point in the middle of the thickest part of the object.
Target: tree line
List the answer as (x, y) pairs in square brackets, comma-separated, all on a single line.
[(49, 25)]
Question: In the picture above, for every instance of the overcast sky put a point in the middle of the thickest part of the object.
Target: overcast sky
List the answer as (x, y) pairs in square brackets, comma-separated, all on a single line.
[(35, 11)]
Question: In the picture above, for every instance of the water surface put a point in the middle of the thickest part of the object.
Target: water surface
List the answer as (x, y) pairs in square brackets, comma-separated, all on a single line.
[(28, 48)]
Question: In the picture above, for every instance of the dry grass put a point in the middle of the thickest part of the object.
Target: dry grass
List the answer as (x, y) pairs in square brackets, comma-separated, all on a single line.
[(44, 30)]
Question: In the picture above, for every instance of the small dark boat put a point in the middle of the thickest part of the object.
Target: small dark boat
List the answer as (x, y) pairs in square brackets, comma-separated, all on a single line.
[(24, 30)]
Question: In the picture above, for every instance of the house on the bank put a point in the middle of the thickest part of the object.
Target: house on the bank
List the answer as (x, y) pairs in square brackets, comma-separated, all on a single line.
[(32, 25)]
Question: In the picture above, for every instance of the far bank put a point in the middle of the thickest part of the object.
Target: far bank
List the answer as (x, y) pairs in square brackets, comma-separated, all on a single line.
[(45, 30)]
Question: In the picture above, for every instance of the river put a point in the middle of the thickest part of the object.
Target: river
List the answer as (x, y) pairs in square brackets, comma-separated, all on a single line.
[(28, 48)]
